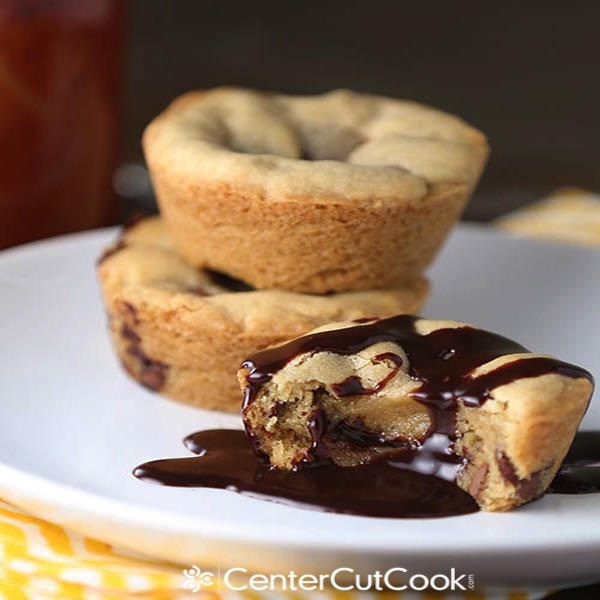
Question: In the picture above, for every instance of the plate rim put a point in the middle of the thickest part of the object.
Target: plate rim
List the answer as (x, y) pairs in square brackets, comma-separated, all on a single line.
[(67, 497)]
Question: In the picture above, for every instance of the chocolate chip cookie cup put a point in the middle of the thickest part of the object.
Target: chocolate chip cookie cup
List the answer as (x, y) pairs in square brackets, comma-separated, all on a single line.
[(183, 332), (440, 398), (342, 191)]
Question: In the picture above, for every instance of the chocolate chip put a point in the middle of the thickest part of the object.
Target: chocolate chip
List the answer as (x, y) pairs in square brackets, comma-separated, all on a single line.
[(506, 468), (153, 374), (149, 372), (531, 488), (478, 480), (129, 311), (355, 433), (129, 334)]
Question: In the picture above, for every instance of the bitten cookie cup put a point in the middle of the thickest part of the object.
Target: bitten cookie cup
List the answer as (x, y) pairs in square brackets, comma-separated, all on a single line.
[(314, 194), (444, 398), (183, 332)]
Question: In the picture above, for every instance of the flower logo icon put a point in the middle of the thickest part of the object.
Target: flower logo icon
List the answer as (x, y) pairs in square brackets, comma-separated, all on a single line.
[(197, 579)]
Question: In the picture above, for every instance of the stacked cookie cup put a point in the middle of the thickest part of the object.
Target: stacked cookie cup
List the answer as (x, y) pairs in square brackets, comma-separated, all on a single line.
[(279, 214)]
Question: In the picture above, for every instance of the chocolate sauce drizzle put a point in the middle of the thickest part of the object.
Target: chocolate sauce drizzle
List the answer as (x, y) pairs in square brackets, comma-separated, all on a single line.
[(352, 386), (580, 471), (414, 481), (443, 361)]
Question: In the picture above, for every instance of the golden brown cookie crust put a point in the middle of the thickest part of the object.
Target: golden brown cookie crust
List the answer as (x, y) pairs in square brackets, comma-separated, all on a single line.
[(187, 345), (324, 193)]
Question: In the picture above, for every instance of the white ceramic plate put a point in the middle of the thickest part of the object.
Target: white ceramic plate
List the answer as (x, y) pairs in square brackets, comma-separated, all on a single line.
[(73, 426)]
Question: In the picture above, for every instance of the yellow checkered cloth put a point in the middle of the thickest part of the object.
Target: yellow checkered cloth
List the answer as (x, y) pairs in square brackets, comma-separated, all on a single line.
[(41, 560)]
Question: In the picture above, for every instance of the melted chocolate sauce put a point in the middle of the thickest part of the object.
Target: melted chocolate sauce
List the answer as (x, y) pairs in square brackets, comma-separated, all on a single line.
[(382, 489), (413, 481), (358, 435), (352, 386), (318, 454), (443, 361), (580, 471)]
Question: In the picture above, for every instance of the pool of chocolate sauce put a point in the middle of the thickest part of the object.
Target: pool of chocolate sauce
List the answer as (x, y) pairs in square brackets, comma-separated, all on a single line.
[(382, 489), (415, 482), (580, 471)]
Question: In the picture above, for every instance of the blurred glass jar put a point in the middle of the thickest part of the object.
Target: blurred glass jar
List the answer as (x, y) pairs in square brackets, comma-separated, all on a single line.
[(60, 71)]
